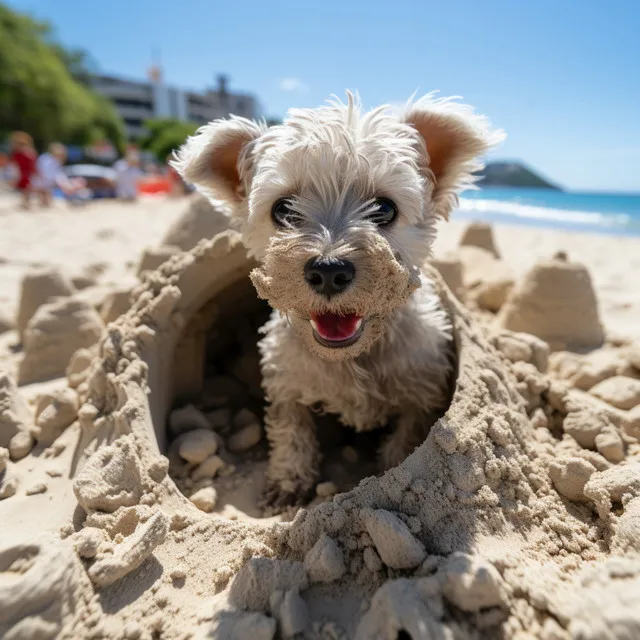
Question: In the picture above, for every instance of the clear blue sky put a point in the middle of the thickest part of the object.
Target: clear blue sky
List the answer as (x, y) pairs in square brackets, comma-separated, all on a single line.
[(561, 76)]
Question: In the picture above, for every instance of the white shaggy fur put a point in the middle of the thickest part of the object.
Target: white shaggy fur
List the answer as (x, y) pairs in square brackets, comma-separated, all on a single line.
[(331, 163)]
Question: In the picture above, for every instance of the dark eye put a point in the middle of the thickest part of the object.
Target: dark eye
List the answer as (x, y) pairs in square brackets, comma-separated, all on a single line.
[(282, 213), (385, 212)]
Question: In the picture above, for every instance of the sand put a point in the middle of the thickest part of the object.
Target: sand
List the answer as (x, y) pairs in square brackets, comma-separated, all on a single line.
[(518, 517)]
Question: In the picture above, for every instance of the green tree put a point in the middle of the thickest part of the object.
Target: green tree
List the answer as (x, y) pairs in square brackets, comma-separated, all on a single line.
[(45, 89), (166, 135)]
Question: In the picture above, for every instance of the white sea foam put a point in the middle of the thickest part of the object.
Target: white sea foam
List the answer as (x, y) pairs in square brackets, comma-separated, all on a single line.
[(533, 212)]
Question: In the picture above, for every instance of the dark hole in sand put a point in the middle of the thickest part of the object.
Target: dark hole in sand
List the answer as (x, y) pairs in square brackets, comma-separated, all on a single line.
[(229, 384)]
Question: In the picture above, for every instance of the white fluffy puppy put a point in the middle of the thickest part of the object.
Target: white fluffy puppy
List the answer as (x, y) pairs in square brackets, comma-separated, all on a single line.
[(339, 208)]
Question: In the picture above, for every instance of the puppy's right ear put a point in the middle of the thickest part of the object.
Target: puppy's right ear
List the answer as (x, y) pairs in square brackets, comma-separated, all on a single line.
[(218, 159)]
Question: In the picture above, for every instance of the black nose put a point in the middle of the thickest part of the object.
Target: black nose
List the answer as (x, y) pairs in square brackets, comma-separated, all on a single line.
[(328, 277)]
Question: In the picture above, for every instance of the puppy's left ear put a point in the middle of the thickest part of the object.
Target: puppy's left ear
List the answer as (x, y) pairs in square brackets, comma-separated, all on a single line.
[(218, 159), (455, 138)]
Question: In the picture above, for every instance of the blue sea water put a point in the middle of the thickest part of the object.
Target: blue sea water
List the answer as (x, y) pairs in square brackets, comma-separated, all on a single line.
[(614, 213)]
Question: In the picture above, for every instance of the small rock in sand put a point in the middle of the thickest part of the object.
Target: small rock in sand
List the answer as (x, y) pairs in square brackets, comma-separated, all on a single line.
[(198, 445), (609, 486), (4, 458), (130, 553), (397, 546), (620, 391), (584, 426), (246, 438), (292, 614), (87, 541), (20, 445), (54, 413), (569, 476), (471, 583), (609, 444), (205, 499), (627, 534), (187, 418), (208, 468), (325, 561), (36, 489), (632, 423)]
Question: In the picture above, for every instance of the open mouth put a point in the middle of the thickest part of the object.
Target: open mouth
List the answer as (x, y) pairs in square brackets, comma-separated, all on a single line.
[(335, 331)]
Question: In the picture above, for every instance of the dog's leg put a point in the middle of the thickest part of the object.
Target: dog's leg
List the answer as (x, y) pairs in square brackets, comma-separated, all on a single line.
[(411, 429), (294, 456)]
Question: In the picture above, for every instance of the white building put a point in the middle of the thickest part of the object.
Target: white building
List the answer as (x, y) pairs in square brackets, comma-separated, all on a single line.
[(140, 101)]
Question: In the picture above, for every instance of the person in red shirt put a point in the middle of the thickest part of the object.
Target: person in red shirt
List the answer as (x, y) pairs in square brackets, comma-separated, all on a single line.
[(24, 157)]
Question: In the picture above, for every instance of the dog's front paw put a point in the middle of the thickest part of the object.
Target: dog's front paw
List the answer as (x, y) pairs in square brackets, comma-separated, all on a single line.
[(276, 498)]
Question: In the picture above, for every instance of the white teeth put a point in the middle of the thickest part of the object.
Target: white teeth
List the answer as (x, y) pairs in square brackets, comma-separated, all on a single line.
[(314, 324), (358, 325)]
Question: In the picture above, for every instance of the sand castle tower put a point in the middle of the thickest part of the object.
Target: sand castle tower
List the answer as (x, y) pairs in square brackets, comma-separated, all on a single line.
[(480, 234), (556, 302)]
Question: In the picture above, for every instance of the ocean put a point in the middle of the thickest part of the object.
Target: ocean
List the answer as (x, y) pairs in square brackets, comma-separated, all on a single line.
[(613, 213)]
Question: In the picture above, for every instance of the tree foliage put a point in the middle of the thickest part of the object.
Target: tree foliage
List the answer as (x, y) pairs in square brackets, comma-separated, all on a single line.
[(44, 88), (166, 135)]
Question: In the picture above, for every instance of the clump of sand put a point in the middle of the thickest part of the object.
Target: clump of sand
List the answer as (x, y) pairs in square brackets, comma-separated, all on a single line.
[(517, 517)]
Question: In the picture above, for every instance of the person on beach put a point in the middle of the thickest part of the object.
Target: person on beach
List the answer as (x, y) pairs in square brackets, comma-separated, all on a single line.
[(128, 174), (23, 157), (50, 175)]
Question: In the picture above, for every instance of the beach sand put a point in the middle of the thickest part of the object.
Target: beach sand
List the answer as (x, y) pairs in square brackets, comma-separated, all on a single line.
[(518, 517)]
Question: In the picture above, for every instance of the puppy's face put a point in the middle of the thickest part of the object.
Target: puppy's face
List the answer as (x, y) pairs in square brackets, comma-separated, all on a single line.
[(339, 207)]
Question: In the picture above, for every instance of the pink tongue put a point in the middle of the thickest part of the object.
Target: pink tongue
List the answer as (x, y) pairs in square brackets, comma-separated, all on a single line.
[(331, 326)]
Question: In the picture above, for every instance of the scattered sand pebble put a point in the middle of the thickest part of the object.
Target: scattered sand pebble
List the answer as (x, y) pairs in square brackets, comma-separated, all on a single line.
[(198, 445), (36, 489), (472, 583), (620, 391), (187, 418), (205, 499), (632, 423), (627, 534), (325, 561), (131, 553), (87, 541), (584, 426), (247, 437), (20, 445), (569, 476), (609, 486), (4, 458), (397, 546), (54, 413), (292, 614), (208, 468), (178, 573), (326, 489), (609, 444)]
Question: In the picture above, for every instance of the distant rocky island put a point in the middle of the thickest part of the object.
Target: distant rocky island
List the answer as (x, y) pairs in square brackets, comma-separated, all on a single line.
[(512, 174)]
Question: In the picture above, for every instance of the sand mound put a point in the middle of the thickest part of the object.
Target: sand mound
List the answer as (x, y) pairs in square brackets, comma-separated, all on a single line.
[(55, 332), (488, 280), (556, 302), (38, 288), (480, 234), (201, 220), (501, 524)]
